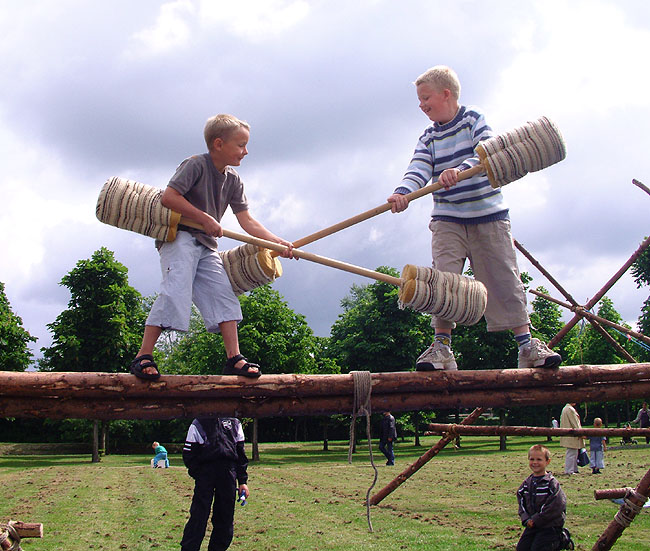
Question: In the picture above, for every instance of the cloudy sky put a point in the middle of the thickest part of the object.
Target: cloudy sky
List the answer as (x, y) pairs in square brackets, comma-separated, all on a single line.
[(92, 90)]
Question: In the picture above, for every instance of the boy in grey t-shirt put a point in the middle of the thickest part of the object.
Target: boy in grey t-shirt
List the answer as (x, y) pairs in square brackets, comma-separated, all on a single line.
[(202, 189)]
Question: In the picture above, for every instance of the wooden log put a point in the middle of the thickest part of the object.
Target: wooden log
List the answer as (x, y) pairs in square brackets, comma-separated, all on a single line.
[(422, 460), (158, 406), (625, 515), (124, 385), (15, 530), (612, 493), (442, 428)]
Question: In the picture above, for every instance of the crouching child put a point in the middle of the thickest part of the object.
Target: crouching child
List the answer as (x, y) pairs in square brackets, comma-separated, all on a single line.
[(542, 505), (215, 458)]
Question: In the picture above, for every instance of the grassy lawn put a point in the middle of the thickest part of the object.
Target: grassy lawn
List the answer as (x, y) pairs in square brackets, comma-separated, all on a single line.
[(305, 499)]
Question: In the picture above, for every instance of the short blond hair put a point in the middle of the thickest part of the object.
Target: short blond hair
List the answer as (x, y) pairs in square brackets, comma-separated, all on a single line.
[(441, 77), (598, 422), (541, 449), (221, 126)]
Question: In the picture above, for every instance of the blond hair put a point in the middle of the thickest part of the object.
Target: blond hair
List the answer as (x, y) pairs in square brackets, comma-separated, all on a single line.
[(221, 126), (541, 449), (598, 422), (441, 77)]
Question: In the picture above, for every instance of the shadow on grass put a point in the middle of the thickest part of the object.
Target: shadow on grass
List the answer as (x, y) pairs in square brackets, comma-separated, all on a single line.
[(38, 461)]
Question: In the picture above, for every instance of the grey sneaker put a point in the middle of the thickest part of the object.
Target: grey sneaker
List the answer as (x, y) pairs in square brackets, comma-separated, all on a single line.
[(537, 354), (437, 356)]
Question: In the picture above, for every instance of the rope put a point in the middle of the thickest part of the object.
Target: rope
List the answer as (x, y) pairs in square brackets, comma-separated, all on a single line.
[(361, 405), (629, 509), (7, 530)]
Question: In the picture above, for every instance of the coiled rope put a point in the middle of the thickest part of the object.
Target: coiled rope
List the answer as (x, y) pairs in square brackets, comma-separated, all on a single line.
[(362, 406), (629, 509), (6, 531)]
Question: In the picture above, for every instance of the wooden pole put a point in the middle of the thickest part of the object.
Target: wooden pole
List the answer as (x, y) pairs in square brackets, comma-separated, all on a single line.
[(625, 515), (585, 314), (441, 428), (594, 300), (422, 460), (125, 386), (158, 406)]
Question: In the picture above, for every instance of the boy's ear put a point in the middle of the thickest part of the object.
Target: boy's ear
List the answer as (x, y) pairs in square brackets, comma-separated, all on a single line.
[(217, 143)]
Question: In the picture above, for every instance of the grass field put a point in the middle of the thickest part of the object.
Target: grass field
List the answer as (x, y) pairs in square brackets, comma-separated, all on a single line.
[(305, 499)]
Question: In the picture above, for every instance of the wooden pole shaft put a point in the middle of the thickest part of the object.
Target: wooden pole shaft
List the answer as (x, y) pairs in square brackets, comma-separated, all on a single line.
[(158, 406), (421, 461), (123, 385), (584, 313), (441, 428), (590, 304)]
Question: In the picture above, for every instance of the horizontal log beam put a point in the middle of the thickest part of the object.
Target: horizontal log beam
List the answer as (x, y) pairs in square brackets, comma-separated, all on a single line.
[(441, 428), (124, 385), (162, 407)]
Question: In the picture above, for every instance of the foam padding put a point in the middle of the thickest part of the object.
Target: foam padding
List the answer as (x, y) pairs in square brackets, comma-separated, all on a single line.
[(446, 295)]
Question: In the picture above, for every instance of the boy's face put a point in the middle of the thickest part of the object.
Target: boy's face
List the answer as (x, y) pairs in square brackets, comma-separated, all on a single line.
[(537, 462), (435, 103), (232, 150)]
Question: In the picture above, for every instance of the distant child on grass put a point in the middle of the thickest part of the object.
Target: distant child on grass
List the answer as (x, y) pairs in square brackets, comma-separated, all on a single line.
[(470, 220), (597, 449), (542, 505), (160, 455)]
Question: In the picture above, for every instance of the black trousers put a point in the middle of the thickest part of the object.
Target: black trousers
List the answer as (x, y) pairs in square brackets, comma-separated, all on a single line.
[(540, 539), (215, 488)]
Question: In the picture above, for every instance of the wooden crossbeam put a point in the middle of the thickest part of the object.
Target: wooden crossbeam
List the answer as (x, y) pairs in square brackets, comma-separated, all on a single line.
[(442, 428), (122, 396)]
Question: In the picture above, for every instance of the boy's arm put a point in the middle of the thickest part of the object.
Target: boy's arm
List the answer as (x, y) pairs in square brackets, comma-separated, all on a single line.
[(172, 199), (523, 514), (241, 467), (255, 228)]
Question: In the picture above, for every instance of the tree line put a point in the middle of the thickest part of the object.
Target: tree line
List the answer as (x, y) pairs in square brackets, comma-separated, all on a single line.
[(102, 326)]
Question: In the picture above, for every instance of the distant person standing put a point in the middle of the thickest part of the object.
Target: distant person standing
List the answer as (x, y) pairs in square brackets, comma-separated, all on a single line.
[(570, 419), (388, 436), (597, 449), (643, 418)]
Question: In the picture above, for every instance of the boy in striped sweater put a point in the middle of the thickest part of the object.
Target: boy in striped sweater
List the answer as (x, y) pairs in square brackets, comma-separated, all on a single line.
[(542, 505), (469, 220)]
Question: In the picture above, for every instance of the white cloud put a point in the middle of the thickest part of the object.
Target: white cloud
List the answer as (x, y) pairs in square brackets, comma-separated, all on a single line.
[(171, 30)]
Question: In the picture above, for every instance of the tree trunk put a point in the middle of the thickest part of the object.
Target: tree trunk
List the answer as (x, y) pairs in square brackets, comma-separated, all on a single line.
[(325, 441), (502, 438), (103, 439), (416, 424), (256, 448), (95, 441)]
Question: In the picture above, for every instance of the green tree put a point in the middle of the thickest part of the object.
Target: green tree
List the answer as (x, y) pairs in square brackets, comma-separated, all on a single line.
[(102, 328), (641, 273), (14, 349), (587, 346), (373, 334)]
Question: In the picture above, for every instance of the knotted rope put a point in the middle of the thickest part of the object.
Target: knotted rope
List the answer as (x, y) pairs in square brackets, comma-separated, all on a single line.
[(6, 531), (361, 406), (629, 509)]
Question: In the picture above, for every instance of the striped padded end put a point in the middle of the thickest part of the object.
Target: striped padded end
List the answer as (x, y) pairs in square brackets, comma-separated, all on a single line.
[(249, 267), (529, 148), (136, 207), (449, 296)]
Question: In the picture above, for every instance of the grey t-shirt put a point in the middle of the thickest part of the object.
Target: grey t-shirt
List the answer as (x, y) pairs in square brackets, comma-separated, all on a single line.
[(198, 180)]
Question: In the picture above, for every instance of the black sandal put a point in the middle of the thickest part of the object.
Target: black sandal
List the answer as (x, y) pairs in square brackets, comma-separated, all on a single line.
[(244, 370), (142, 362)]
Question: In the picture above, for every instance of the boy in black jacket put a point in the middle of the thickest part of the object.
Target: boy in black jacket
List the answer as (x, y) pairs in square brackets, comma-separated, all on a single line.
[(215, 458), (542, 505)]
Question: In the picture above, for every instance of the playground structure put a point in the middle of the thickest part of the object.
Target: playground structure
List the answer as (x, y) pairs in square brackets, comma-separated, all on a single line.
[(104, 396)]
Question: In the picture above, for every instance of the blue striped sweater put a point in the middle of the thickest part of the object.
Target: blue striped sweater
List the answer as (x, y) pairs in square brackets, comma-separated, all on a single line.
[(451, 145)]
